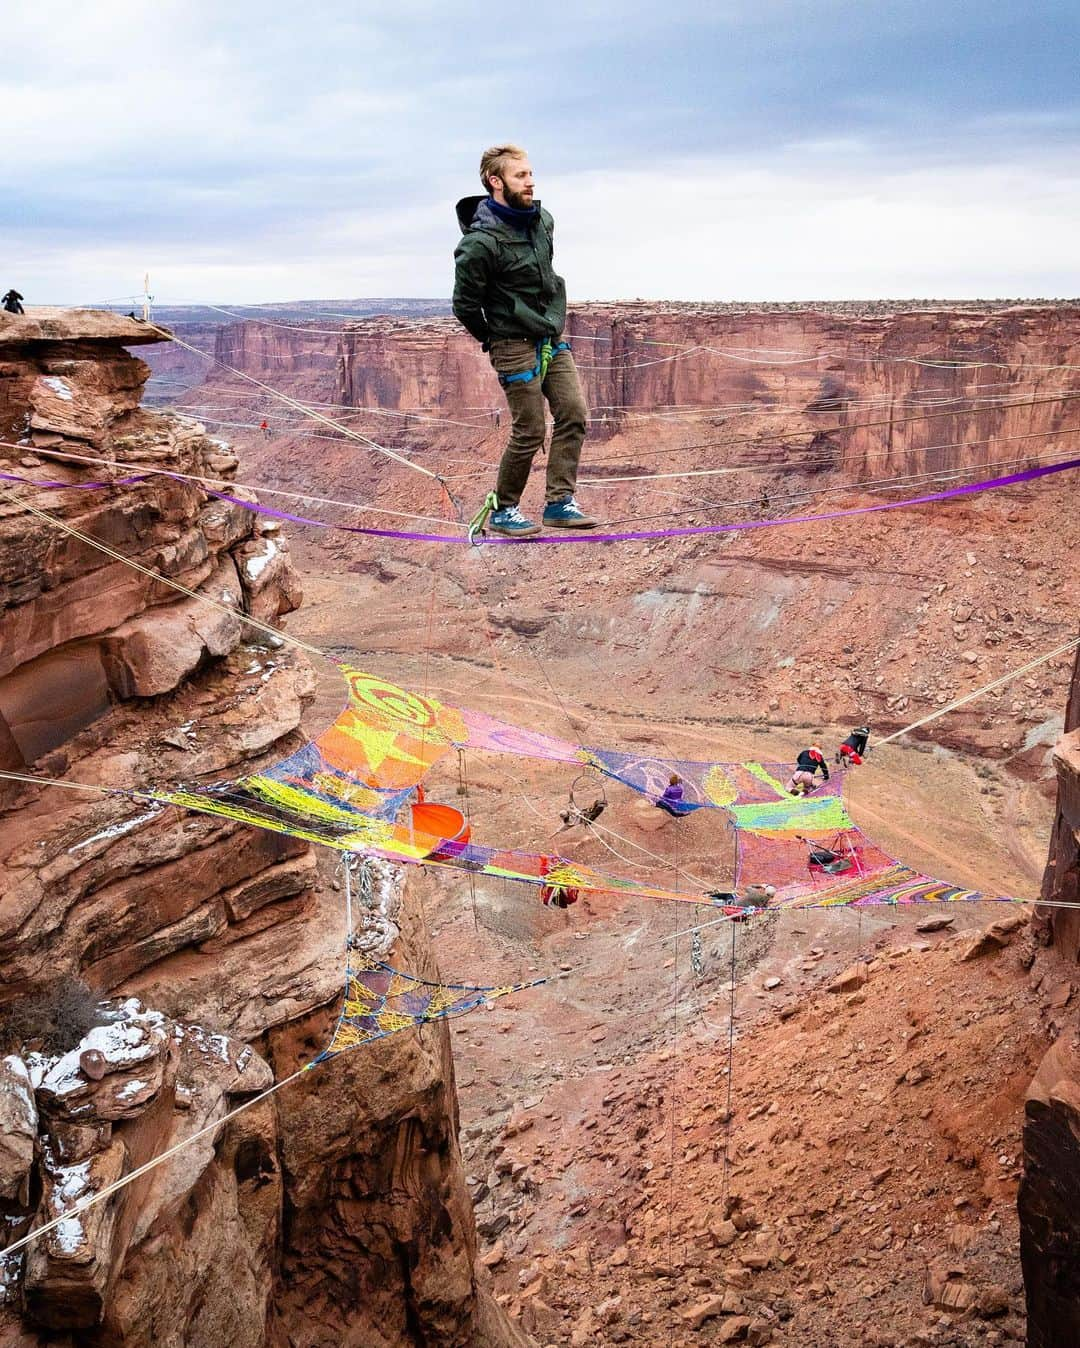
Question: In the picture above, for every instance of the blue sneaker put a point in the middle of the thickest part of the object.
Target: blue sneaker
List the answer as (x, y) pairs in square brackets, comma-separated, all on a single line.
[(567, 514), (511, 522)]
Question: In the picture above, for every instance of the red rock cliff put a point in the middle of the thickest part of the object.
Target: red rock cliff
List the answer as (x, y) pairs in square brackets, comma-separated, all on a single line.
[(749, 367), (335, 1211), (1050, 1193)]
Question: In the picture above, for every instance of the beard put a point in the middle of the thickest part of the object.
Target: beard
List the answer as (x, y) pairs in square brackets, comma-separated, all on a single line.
[(517, 200)]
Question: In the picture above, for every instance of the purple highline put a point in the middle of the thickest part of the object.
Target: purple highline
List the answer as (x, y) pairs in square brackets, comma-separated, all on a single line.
[(589, 536)]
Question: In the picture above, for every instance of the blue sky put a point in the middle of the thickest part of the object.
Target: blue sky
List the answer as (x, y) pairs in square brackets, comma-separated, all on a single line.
[(726, 150)]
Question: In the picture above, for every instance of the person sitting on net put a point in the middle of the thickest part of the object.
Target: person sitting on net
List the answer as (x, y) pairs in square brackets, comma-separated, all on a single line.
[(671, 799), (809, 762), (758, 896), (853, 750)]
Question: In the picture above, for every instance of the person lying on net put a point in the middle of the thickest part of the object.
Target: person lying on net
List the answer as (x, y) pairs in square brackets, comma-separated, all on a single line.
[(853, 750), (809, 762)]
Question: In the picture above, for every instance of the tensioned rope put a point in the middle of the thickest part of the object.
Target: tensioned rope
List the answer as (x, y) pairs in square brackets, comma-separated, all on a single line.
[(147, 571), (882, 484), (766, 356), (1018, 396), (147, 470), (1063, 649), (743, 355), (784, 440), (110, 1189), (873, 486), (687, 531), (309, 412), (405, 414), (830, 461), (799, 456), (1003, 403), (288, 638)]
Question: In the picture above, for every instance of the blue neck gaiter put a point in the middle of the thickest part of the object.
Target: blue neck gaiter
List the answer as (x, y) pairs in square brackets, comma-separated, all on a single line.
[(512, 216)]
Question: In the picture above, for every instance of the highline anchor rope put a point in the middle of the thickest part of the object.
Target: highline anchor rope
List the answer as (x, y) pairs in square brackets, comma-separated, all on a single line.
[(309, 412), (635, 535), (134, 470)]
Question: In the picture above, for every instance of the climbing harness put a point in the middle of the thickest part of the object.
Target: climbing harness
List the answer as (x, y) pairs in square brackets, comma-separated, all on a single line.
[(546, 352)]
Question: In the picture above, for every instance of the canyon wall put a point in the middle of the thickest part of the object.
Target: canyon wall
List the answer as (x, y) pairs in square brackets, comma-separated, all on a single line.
[(1050, 1192), (335, 1211), (761, 378)]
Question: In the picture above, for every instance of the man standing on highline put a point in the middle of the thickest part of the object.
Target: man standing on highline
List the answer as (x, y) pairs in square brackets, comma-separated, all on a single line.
[(507, 294)]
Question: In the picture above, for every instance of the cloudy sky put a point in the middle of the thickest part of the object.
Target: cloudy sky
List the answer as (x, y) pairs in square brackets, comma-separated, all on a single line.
[(690, 149)]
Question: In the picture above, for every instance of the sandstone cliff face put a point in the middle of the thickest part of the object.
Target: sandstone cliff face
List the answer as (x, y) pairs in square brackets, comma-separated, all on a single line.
[(220, 946), (1050, 1193), (758, 371)]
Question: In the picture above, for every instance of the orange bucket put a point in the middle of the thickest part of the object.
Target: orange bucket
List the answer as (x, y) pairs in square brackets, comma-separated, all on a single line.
[(442, 821)]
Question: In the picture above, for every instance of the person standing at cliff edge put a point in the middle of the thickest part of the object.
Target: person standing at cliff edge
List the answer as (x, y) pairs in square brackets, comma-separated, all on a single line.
[(507, 294)]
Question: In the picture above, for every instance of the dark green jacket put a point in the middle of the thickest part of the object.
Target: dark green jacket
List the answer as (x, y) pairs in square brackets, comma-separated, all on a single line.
[(504, 281)]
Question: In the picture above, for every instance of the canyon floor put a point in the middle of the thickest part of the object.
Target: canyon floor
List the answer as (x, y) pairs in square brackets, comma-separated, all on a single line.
[(862, 1189), (874, 1133)]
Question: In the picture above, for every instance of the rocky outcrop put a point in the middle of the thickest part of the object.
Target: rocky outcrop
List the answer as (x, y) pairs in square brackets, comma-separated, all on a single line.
[(339, 1206), (1050, 1193)]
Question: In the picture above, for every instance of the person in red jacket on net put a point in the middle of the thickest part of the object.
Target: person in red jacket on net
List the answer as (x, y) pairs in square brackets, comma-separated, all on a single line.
[(853, 750)]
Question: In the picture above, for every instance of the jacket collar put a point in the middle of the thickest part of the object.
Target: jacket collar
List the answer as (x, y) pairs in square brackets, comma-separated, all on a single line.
[(476, 213)]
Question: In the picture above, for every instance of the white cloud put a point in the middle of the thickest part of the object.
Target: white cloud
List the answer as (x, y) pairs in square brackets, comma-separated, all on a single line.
[(245, 152), (798, 230)]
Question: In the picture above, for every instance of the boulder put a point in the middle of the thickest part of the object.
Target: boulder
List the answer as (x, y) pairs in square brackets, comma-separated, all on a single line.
[(994, 937), (696, 1315), (853, 978), (154, 652), (935, 923), (128, 1057)]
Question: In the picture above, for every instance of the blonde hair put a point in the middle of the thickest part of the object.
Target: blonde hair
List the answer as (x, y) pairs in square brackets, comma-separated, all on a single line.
[(494, 160)]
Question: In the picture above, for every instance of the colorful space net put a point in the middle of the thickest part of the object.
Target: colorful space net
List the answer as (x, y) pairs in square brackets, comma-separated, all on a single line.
[(351, 788), (381, 1001)]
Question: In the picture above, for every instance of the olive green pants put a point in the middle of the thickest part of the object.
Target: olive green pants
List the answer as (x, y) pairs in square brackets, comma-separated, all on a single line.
[(562, 390)]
